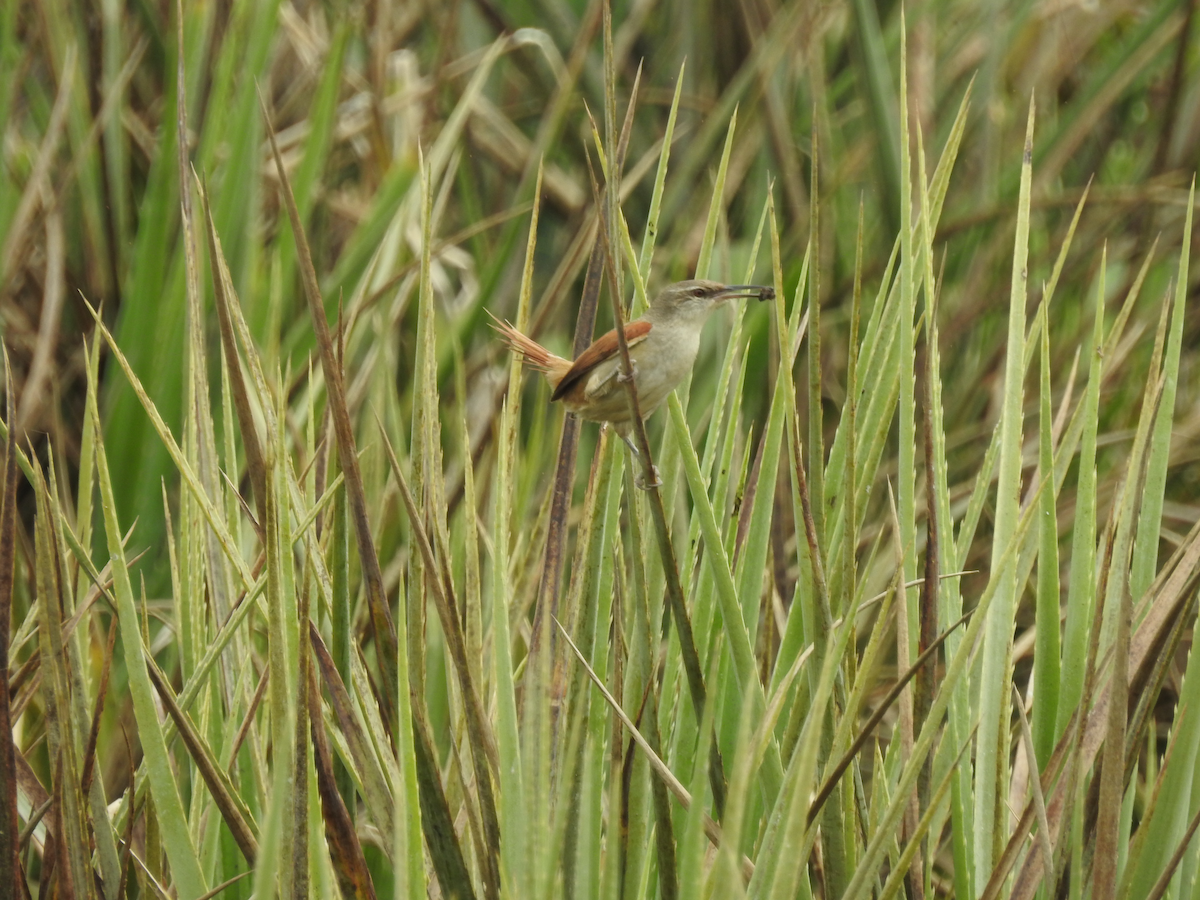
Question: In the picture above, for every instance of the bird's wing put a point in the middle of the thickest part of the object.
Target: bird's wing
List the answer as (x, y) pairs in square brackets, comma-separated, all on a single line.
[(603, 348)]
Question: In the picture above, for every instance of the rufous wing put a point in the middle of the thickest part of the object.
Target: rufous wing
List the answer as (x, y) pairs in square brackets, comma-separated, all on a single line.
[(603, 348)]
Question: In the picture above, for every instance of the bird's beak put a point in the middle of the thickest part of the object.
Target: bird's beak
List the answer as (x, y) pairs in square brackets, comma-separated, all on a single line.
[(731, 291)]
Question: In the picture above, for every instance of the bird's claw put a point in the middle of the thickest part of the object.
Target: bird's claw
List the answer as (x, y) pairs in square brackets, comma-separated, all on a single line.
[(639, 480), (633, 372)]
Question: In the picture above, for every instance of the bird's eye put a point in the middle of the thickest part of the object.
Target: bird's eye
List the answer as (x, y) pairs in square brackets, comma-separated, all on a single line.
[(697, 292)]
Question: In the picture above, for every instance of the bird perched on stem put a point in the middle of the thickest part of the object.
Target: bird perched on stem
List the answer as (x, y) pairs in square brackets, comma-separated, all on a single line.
[(662, 349)]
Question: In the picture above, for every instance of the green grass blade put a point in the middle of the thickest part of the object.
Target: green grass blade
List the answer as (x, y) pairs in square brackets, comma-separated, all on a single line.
[(1046, 653), (995, 674), (716, 204), (1145, 549), (185, 866)]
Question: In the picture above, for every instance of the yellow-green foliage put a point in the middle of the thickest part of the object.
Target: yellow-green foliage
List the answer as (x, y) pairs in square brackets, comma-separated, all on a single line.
[(305, 588)]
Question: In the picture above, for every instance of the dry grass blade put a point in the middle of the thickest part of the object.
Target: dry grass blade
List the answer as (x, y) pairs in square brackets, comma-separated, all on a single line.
[(178, 843), (381, 617), (223, 886), (1069, 755), (373, 785), (36, 815), (1112, 764), (1170, 596), (482, 741), (38, 184), (436, 819), (241, 397), (52, 303), (661, 769), (248, 719), (811, 529), (62, 740), (89, 751), (188, 474), (39, 798), (9, 831), (350, 866), (483, 744), (876, 717), (1035, 783), (896, 879), (224, 793), (308, 700)]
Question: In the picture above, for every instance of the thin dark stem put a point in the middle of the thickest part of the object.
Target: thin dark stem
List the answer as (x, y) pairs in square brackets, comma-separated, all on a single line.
[(687, 643)]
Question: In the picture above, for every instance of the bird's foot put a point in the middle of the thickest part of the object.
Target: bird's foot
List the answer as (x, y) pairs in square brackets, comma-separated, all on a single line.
[(639, 480), (633, 373)]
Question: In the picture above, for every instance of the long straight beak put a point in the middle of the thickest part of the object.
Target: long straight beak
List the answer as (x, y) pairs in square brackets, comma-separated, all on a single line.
[(731, 291)]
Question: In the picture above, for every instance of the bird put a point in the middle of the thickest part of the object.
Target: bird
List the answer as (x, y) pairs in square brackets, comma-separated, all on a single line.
[(663, 344)]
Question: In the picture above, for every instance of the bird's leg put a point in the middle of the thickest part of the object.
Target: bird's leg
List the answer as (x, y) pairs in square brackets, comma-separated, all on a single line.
[(639, 480)]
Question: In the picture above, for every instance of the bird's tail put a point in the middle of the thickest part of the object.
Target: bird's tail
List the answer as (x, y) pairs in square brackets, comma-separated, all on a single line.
[(534, 355)]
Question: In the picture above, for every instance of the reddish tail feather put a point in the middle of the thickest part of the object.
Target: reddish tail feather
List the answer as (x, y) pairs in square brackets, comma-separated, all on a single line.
[(534, 355)]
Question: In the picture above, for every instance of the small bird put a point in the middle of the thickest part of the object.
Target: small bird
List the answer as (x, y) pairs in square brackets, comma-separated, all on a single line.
[(662, 349)]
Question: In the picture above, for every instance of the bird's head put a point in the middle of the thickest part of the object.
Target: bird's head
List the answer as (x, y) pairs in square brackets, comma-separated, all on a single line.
[(696, 298)]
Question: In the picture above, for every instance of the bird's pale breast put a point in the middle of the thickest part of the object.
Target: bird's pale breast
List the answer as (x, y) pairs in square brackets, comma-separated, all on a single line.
[(660, 361)]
